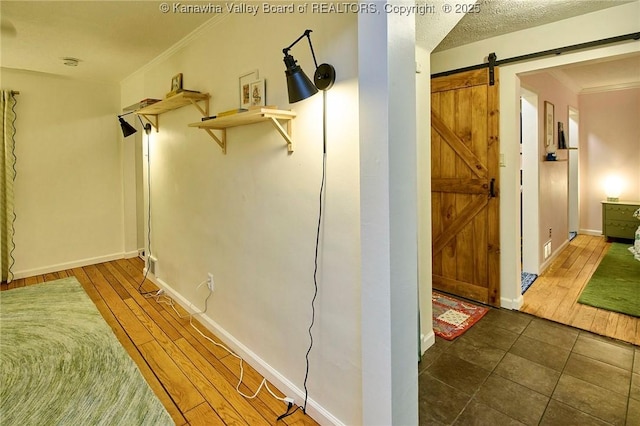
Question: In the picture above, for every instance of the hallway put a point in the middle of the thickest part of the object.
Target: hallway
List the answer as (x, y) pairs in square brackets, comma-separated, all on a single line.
[(553, 295)]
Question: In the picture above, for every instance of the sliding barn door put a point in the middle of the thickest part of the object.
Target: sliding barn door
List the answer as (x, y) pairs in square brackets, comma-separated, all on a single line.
[(465, 185)]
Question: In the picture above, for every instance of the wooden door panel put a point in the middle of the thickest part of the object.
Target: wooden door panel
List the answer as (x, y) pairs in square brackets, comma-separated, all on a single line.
[(464, 163)]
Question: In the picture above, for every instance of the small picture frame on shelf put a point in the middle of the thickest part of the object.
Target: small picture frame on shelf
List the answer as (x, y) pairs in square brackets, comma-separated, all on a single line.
[(257, 93), (548, 123), (562, 142), (176, 83), (245, 81)]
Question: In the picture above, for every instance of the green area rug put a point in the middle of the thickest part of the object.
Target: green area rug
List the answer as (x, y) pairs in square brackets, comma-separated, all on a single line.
[(60, 363), (615, 285)]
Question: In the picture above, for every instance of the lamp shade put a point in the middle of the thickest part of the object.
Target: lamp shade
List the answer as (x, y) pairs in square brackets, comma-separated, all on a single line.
[(298, 84), (127, 129)]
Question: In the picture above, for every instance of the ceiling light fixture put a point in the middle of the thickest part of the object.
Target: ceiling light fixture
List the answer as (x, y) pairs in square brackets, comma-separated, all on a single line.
[(70, 62)]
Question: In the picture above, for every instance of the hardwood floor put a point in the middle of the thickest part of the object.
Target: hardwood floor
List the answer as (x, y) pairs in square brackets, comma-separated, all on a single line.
[(194, 379), (554, 294)]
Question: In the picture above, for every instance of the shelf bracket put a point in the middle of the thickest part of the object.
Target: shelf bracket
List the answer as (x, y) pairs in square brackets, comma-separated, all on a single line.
[(205, 111), (286, 134), (222, 141), (154, 122)]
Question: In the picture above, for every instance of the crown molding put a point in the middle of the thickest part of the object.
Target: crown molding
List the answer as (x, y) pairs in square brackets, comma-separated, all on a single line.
[(611, 88), (179, 45)]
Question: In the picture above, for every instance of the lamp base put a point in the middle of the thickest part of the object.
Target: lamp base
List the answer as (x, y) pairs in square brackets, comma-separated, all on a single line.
[(613, 199)]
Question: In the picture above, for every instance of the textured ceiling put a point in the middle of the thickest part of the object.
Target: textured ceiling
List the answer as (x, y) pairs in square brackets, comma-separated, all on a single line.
[(498, 17)]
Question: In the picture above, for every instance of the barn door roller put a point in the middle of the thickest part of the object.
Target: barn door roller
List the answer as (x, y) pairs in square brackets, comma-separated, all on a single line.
[(492, 64)]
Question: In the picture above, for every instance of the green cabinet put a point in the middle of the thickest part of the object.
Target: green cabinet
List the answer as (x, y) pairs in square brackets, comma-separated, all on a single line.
[(618, 220)]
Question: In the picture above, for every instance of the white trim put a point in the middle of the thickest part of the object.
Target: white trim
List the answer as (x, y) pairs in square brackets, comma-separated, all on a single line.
[(513, 304), (130, 254), (427, 341), (315, 410), (610, 88), (70, 265), (594, 232)]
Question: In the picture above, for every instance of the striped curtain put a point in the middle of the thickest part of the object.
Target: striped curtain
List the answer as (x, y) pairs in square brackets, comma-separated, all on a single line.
[(7, 177)]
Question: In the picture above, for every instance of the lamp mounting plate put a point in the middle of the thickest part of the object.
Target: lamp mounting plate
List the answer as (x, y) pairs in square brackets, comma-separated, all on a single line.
[(324, 76)]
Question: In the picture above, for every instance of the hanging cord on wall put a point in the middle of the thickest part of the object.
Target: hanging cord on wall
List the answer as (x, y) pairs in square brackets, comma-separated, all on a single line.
[(147, 131), (315, 270)]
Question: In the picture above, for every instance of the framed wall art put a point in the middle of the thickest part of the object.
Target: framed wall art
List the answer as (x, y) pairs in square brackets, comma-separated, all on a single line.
[(176, 83), (258, 95), (245, 81), (548, 123)]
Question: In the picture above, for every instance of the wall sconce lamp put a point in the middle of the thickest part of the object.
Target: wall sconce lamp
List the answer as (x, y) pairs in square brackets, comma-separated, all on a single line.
[(128, 129), (300, 87), (298, 84)]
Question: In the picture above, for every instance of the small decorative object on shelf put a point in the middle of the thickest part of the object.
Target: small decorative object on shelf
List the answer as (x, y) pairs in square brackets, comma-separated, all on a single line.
[(146, 102), (176, 85), (231, 112), (245, 81), (551, 156), (562, 142), (258, 95)]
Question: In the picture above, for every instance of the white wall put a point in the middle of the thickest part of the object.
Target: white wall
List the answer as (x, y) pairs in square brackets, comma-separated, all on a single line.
[(553, 177), (249, 217), (530, 164), (563, 33), (609, 147), (68, 189)]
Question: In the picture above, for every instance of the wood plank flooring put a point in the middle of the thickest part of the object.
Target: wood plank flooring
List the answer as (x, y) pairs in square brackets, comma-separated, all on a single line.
[(194, 379), (554, 293)]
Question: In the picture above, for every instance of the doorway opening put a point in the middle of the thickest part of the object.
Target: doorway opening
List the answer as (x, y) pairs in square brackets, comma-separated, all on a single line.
[(574, 159)]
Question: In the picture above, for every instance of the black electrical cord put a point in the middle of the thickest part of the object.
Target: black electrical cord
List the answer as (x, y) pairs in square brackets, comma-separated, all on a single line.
[(315, 271), (288, 412), (147, 131)]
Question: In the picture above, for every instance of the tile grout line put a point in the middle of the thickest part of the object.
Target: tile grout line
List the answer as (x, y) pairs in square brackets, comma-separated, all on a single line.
[(492, 371)]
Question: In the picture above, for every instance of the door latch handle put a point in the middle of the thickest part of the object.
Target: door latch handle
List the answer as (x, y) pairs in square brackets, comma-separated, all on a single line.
[(492, 192)]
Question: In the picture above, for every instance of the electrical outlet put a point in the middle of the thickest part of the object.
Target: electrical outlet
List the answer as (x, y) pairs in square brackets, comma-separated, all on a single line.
[(547, 249), (151, 265), (210, 283)]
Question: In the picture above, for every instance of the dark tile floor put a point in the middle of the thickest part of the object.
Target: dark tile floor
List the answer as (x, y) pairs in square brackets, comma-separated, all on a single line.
[(512, 369)]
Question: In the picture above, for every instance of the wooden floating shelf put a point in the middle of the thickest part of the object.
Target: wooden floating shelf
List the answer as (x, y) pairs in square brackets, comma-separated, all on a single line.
[(151, 112), (275, 116)]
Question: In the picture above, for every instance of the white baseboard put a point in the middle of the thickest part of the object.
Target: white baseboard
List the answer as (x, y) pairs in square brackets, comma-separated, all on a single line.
[(131, 254), (68, 265), (513, 304), (427, 340), (315, 410), (594, 232)]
